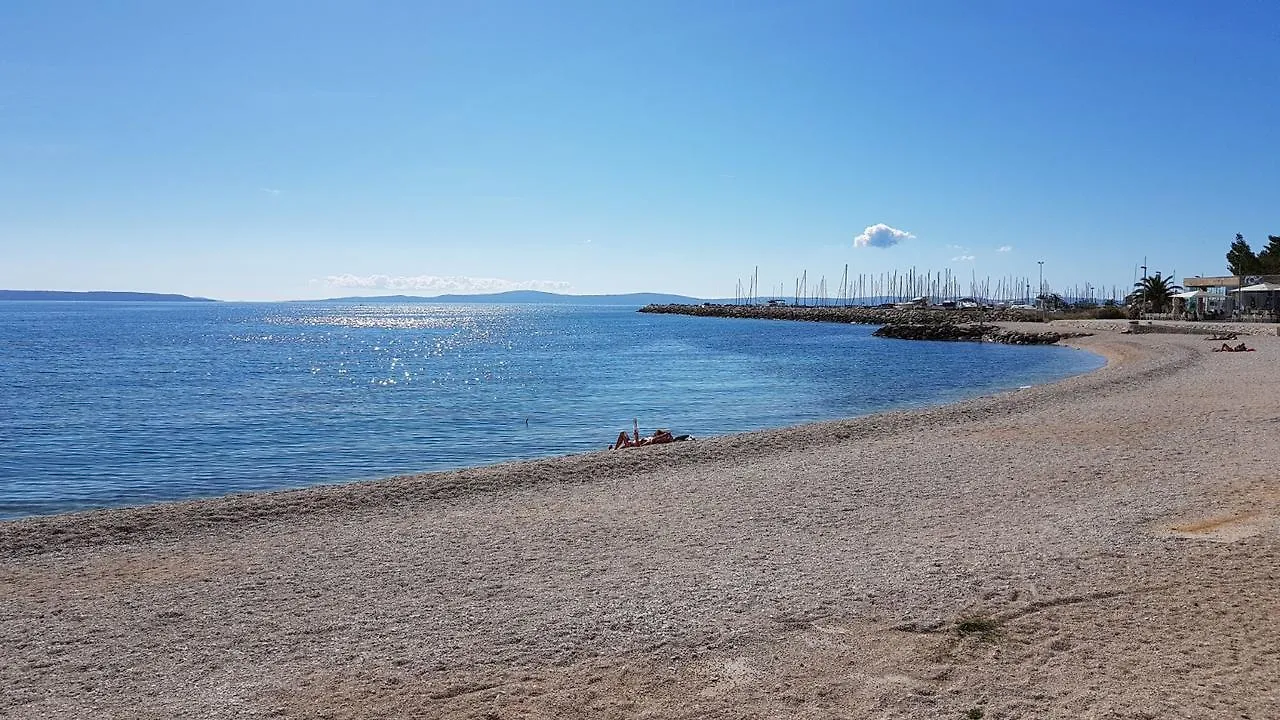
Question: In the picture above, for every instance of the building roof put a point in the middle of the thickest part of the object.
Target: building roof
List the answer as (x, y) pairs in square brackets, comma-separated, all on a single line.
[(1227, 281)]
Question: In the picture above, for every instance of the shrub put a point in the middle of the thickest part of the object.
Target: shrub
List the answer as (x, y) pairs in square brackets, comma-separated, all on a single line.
[(984, 627)]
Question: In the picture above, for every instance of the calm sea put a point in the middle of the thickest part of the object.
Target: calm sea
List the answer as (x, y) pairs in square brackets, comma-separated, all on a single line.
[(111, 404)]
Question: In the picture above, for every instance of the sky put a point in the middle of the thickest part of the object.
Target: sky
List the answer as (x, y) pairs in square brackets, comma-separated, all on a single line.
[(274, 150)]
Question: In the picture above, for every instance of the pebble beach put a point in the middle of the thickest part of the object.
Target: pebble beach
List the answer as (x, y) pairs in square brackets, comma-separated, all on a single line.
[(1107, 546)]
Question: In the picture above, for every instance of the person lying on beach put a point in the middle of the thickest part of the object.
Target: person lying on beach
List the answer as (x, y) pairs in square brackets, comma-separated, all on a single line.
[(1238, 348), (1222, 336), (658, 438)]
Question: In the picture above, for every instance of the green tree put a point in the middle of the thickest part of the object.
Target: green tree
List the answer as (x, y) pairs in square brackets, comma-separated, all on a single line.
[(1154, 293), (1051, 301), (1241, 260), (1269, 258)]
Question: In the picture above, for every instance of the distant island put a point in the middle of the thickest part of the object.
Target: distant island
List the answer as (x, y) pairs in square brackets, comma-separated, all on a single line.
[(97, 295), (531, 296)]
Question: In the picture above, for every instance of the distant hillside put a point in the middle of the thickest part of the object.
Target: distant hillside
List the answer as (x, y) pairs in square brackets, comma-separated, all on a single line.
[(96, 295), (532, 296)]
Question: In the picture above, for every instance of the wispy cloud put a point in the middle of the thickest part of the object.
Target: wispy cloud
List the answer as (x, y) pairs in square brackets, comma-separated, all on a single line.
[(270, 191), (882, 236), (962, 258), (1004, 248), (436, 283)]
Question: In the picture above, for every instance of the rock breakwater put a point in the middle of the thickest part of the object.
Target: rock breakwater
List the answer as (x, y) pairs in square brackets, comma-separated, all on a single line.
[(904, 323), (860, 315), (974, 332)]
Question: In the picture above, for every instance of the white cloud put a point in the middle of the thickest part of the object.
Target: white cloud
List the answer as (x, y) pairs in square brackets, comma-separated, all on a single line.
[(434, 283), (881, 235), (1004, 248), (270, 191), (962, 258)]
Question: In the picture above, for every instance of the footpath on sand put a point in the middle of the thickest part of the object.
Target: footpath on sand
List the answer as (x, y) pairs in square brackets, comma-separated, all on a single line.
[(1105, 546)]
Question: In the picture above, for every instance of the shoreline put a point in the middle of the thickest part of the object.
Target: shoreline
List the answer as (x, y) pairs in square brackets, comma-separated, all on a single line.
[(131, 520), (1096, 546), (249, 497)]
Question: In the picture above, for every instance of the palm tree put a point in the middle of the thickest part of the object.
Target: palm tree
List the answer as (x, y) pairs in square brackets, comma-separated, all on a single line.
[(1154, 292)]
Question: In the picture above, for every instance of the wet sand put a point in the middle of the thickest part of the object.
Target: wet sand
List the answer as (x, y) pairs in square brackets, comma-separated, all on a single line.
[(1106, 546)]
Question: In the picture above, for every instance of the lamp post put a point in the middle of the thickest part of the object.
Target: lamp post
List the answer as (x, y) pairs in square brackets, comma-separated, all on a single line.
[(1040, 296)]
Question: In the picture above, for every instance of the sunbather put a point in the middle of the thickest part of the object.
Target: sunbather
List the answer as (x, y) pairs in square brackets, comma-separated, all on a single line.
[(660, 437)]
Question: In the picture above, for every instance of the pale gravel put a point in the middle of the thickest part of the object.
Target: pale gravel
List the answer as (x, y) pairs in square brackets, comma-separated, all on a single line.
[(1119, 529)]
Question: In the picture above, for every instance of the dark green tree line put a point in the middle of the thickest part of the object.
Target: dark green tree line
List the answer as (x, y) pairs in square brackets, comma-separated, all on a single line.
[(1241, 260)]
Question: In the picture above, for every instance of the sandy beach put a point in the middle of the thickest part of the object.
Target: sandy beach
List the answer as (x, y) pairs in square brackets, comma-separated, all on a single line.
[(1103, 547)]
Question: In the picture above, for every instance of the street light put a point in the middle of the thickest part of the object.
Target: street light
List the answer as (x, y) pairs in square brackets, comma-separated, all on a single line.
[(1040, 297)]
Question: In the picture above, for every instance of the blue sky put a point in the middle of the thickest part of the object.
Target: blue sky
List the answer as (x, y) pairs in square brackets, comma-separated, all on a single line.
[(275, 150)]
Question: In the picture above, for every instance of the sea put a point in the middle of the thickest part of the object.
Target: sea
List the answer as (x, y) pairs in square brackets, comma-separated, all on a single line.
[(110, 404)]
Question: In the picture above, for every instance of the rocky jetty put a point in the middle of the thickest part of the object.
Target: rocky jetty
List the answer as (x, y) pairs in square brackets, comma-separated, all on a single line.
[(973, 332), (860, 315), (904, 323)]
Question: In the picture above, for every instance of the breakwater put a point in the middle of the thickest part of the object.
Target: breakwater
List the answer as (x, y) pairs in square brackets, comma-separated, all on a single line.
[(975, 332), (860, 315), (904, 323)]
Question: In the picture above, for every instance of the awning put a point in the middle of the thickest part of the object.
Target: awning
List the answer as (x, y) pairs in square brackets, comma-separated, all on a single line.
[(1260, 287), (1191, 294)]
